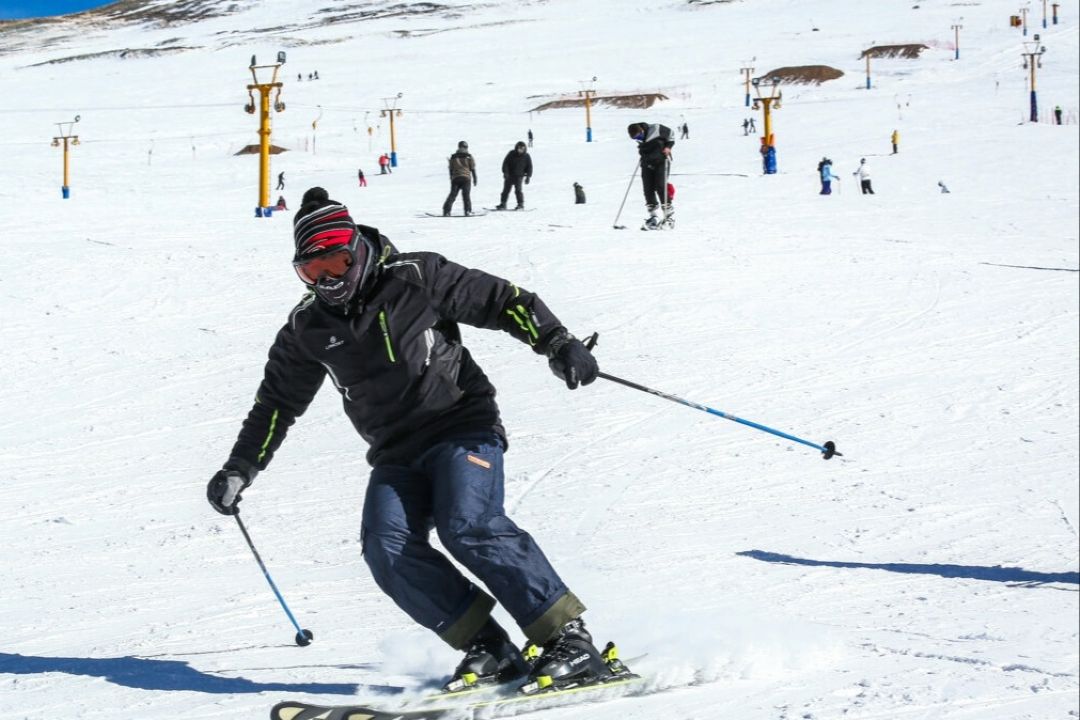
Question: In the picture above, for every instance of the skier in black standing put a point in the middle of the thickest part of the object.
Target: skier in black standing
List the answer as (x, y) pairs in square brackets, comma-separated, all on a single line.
[(654, 146), (280, 181), (462, 179), (383, 326), (516, 168)]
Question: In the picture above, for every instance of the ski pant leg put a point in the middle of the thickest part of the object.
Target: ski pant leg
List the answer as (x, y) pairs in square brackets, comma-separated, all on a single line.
[(465, 184), (417, 577), (653, 183), (455, 187), (507, 184), (518, 194), (467, 480)]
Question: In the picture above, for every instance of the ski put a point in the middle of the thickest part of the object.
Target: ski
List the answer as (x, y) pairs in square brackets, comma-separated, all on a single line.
[(595, 692), (509, 210), (538, 692), (440, 215)]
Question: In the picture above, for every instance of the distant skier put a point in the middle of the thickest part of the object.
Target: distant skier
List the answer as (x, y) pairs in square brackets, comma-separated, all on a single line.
[(281, 203), (863, 173), (753, 126), (280, 181), (299, 77), (825, 171), (462, 178), (1057, 114), (360, 177), (654, 147), (316, 74), (944, 190), (745, 126), (685, 132), (895, 141), (384, 165), (530, 137), (384, 327), (579, 194), (516, 168)]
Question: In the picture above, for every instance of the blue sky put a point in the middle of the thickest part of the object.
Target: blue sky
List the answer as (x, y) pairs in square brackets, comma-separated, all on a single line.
[(14, 9)]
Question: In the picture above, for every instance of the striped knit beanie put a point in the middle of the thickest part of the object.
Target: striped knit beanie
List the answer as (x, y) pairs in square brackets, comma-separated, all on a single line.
[(321, 224)]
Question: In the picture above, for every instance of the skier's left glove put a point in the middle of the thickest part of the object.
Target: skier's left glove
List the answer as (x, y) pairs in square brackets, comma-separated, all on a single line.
[(223, 491), (571, 361), (526, 179)]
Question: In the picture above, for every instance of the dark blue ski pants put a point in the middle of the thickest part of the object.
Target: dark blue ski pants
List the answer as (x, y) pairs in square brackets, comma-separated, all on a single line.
[(456, 487)]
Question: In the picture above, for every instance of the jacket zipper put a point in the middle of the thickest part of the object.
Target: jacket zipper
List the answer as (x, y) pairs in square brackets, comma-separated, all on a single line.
[(386, 336)]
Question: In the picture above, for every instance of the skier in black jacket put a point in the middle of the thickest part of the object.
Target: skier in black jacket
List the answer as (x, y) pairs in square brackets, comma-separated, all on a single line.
[(383, 326), (654, 147), (517, 166)]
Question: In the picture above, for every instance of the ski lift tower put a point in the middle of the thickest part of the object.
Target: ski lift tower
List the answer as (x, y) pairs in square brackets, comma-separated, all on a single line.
[(269, 84), (768, 99), (1033, 52), (588, 93), (66, 136), (391, 110)]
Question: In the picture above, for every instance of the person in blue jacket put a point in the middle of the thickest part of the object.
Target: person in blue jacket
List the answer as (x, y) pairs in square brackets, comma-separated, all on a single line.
[(827, 177)]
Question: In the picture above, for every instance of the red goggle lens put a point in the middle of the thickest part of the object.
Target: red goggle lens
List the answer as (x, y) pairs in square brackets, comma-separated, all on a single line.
[(333, 264)]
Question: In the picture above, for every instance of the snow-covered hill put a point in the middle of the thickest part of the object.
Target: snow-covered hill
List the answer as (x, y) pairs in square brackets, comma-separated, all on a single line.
[(932, 572)]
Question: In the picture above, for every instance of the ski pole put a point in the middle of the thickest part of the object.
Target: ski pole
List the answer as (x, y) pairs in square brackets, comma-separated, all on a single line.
[(827, 450), (303, 637), (616, 224)]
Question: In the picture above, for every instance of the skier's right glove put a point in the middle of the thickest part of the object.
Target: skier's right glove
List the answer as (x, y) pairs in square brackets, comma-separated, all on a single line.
[(571, 361), (223, 491)]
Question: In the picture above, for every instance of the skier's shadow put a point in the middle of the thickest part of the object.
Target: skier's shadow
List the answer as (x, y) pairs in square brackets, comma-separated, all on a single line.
[(145, 674), (993, 573)]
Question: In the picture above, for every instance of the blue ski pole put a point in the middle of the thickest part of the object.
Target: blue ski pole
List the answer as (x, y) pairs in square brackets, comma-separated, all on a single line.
[(303, 637), (827, 450)]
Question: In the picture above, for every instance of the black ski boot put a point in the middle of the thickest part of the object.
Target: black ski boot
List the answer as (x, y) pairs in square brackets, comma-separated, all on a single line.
[(490, 659), (568, 660), (500, 206)]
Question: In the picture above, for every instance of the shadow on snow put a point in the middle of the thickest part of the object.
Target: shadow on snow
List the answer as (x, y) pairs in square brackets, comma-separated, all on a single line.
[(994, 573), (147, 674)]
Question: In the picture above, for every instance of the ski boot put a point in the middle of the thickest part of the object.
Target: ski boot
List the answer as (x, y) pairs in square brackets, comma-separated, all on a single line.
[(500, 206), (653, 221), (569, 660), (490, 659), (669, 216), (520, 206)]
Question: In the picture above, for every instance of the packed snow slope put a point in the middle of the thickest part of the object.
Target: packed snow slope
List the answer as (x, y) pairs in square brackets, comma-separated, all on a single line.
[(931, 572)]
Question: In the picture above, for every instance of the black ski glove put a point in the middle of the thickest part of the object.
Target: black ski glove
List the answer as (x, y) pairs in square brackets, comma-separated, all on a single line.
[(526, 179), (223, 491), (571, 361)]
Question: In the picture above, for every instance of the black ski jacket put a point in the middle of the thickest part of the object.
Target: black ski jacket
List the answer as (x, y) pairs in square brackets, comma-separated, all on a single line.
[(651, 149), (517, 165), (395, 356)]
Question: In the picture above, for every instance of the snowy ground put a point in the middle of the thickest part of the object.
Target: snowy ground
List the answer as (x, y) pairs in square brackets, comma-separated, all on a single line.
[(932, 572)]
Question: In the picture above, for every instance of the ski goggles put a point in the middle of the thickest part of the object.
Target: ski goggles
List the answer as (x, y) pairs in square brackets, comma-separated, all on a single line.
[(333, 264)]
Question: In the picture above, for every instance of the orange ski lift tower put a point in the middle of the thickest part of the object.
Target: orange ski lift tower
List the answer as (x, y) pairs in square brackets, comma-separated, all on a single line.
[(64, 137), (269, 84)]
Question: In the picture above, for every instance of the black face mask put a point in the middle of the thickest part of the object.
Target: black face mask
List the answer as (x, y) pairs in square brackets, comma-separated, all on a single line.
[(338, 291)]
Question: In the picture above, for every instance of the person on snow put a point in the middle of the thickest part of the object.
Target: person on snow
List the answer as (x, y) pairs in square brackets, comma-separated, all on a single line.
[(530, 136), (384, 164), (863, 173), (281, 203), (579, 194), (462, 179), (383, 326), (654, 147), (360, 177), (825, 171), (280, 181), (895, 141), (516, 167)]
